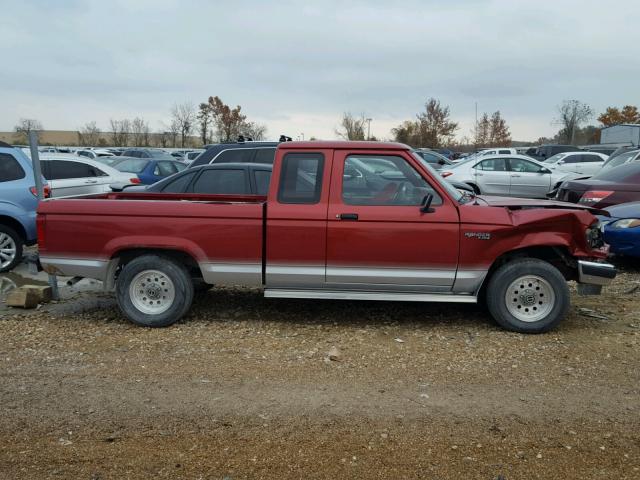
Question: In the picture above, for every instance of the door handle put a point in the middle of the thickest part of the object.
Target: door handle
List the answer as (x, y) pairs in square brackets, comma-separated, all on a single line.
[(347, 216), (91, 181), (479, 174), (515, 175)]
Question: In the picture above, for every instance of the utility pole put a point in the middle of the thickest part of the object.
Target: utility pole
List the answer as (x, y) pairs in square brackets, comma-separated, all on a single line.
[(475, 131), (37, 173), (368, 120)]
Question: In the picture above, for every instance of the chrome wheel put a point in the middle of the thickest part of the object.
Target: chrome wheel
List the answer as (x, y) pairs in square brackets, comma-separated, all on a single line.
[(8, 250), (530, 298), (152, 292)]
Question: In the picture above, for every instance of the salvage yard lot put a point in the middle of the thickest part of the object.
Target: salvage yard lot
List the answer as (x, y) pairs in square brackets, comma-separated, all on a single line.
[(243, 388)]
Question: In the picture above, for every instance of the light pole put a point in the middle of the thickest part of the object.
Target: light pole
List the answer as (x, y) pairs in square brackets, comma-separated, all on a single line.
[(368, 120), (302, 135)]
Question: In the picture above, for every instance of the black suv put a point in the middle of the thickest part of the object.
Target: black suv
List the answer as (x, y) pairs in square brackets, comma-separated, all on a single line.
[(240, 152), (547, 151)]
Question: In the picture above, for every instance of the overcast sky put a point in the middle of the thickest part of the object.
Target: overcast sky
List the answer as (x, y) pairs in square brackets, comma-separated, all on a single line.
[(296, 66)]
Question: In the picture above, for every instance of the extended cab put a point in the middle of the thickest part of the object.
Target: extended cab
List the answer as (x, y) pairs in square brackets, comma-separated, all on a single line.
[(342, 220)]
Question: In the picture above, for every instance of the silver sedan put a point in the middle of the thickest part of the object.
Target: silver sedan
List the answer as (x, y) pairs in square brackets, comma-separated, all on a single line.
[(507, 175)]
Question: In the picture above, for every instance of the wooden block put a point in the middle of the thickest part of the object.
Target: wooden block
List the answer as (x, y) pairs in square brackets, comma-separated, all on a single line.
[(22, 298), (43, 292)]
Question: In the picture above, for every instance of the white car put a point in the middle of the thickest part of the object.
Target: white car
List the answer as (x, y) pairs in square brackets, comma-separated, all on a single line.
[(506, 175), (93, 154), (69, 175), (584, 163)]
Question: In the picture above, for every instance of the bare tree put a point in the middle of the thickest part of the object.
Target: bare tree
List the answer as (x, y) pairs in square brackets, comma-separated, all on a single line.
[(89, 134), (483, 131), (115, 127), (499, 135), (433, 128), (253, 130), (140, 132), (174, 131), (351, 128), (120, 130), (183, 117), (24, 127), (572, 114)]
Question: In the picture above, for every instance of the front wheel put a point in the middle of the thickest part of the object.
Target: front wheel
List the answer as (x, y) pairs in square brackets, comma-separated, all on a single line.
[(528, 296), (11, 246), (154, 291)]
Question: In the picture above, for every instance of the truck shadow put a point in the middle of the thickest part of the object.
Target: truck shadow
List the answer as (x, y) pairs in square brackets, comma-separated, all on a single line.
[(226, 304)]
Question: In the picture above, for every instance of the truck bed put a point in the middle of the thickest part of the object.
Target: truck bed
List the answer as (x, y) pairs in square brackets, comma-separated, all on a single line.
[(218, 231)]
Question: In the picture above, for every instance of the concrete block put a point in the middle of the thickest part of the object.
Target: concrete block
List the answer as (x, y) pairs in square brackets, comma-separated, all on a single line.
[(22, 298), (42, 291)]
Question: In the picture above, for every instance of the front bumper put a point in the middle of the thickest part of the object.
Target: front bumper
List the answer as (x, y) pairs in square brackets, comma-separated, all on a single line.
[(593, 273)]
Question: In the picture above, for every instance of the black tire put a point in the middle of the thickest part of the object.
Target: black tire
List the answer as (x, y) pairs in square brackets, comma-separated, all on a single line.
[(504, 277), (19, 246), (174, 271)]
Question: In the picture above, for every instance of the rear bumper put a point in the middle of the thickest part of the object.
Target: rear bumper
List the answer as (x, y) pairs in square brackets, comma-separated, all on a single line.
[(593, 273)]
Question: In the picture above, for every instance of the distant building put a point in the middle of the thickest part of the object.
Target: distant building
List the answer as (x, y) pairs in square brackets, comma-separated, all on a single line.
[(626, 134)]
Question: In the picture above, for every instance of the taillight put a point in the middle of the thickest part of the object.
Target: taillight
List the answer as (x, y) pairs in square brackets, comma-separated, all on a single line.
[(134, 180), (40, 224), (591, 197), (46, 189), (446, 174)]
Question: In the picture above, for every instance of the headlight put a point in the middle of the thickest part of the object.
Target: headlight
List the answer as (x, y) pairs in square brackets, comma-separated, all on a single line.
[(626, 223)]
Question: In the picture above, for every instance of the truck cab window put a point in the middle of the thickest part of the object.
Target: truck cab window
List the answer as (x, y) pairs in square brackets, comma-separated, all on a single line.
[(301, 178), (383, 180)]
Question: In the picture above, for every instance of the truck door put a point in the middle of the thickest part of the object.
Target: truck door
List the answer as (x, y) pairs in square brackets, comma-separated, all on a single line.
[(296, 225), (377, 237)]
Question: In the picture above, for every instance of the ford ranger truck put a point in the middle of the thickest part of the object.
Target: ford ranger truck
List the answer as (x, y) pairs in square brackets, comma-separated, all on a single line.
[(342, 220)]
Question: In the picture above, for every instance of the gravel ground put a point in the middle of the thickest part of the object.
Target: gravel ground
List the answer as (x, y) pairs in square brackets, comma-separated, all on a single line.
[(247, 387)]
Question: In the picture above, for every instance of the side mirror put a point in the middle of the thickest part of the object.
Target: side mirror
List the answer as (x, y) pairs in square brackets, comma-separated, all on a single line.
[(560, 162), (441, 162), (425, 206), (545, 170)]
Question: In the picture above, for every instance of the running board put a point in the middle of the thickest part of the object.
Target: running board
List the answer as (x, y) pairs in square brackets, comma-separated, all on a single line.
[(353, 295)]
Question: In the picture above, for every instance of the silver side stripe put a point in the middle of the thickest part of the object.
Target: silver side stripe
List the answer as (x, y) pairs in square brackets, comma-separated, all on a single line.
[(249, 274), (76, 267), (406, 276), (354, 295)]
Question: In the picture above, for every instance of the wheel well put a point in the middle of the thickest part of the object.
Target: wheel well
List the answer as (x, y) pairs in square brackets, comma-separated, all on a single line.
[(475, 187), (559, 257), (15, 225), (122, 257)]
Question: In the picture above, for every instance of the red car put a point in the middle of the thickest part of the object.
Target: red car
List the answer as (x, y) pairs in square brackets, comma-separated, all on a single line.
[(606, 188), (342, 220)]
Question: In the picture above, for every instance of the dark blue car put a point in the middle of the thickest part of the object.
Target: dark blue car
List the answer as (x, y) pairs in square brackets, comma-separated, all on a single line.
[(622, 230), (149, 170)]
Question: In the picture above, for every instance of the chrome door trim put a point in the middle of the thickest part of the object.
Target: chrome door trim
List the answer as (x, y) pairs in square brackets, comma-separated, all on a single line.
[(355, 295), (391, 275), (295, 276), (76, 267)]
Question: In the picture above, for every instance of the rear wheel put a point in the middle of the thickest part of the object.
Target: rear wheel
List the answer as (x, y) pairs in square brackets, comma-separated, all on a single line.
[(528, 296), (154, 291), (11, 246)]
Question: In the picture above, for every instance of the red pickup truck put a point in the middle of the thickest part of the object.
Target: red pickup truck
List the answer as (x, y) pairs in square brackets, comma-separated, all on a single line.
[(342, 220)]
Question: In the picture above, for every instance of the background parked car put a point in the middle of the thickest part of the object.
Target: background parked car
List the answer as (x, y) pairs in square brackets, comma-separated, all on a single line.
[(505, 175), (18, 204), (69, 175), (584, 163), (433, 158), (240, 152), (192, 155), (147, 153), (606, 188), (547, 151), (219, 178), (94, 154), (148, 171), (622, 229), (626, 157)]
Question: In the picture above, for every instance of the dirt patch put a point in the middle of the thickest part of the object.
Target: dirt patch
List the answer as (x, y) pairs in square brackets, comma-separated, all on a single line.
[(244, 388)]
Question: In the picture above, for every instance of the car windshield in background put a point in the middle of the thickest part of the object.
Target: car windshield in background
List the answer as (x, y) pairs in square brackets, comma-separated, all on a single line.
[(557, 157), (621, 159), (628, 173), (160, 154), (131, 165)]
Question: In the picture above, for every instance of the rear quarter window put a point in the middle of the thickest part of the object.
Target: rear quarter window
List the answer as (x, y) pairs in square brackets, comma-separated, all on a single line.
[(10, 169), (301, 178)]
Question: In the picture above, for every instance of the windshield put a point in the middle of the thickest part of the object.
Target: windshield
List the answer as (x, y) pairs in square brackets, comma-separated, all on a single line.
[(621, 159), (451, 190), (557, 157)]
